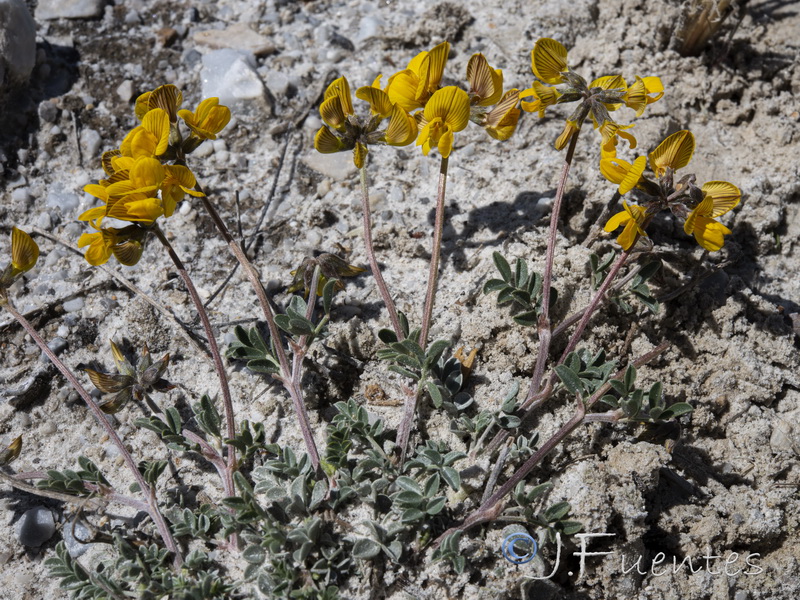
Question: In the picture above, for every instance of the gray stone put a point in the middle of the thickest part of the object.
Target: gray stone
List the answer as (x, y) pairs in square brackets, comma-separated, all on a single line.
[(35, 527), (48, 111), (70, 9), (76, 538), (17, 42)]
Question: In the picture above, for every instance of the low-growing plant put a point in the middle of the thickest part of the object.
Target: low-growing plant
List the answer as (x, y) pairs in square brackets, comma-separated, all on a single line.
[(306, 523)]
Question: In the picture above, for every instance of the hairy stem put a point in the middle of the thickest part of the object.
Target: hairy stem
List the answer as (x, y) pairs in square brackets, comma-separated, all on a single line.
[(227, 402), (412, 398), (295, 392), (436, 249), (373, 262), (491, 508), (147, 491), (544, 330)]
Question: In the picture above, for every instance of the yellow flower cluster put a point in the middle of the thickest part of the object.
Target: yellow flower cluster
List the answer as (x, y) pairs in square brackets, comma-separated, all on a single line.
[(418, 108), (147, 176), (597, 99), (697, 206)]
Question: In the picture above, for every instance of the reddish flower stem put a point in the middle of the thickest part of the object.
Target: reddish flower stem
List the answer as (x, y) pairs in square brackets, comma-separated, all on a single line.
[(147, 491)]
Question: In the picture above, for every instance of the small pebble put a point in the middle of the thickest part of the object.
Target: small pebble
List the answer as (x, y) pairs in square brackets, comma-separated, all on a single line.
[(48, 428), (21, 196), (48, 112), (90, 143), (44, 221), (125, 90), (57, 344), (73, 305), (35, 527)]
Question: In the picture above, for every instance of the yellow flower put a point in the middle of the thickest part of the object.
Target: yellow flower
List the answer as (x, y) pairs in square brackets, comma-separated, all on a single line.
[(178, 181), (151, 138), (125, 244), (625, 174), (549, 60), (402, 128), (501, 121), (207, 120), (145, 177), (644, 91), (337, 112), (166, 97), (414, 86), (543, 95), (100, 244), (718, 198), (337, 105), (24, 252), (446, 112), (485, 83), (633, 218), (674, 152)]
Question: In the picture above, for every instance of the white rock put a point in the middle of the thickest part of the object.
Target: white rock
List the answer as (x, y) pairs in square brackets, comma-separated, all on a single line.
[(69, 9), (67, 201), (230, 76), (48, 111), (17, 41), (73, 305), (337, 166), (90, 144), (125, 90), (236, 37), (277, 82)]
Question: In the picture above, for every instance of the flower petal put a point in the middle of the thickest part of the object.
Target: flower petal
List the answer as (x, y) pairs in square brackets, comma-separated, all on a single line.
[(327, 143), (402, 129), (332, 112), (24, 251), (360, 154), (379, 102), (549, 60), (451, 104), (653, 85), (618, 219), (433, 68), (614, 169), (502, 120), (725, 196), (486, 84), (633, 175), (674, 152), (709, 233)]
